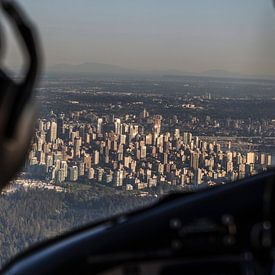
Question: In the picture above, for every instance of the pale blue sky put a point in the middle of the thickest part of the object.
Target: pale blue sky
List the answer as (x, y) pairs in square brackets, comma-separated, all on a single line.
[(185, 35)]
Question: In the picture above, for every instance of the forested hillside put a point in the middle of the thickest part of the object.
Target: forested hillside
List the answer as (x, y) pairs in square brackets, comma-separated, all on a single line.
[(27, 217)]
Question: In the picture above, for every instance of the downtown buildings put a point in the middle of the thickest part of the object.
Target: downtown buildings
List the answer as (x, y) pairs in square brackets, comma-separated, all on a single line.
[(134, 152)]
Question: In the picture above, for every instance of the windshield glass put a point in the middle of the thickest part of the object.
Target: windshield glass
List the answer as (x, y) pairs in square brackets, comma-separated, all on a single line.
[(139, 99)]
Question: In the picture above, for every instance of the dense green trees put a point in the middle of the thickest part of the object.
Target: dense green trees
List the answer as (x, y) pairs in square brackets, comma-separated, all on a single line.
[(27, 217)]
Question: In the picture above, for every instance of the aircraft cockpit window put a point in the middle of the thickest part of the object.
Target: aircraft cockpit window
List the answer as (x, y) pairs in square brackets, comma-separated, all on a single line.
[(135, 100)]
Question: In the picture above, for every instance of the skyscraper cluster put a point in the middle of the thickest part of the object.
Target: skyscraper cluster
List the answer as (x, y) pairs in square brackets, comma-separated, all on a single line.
[(134, 154)]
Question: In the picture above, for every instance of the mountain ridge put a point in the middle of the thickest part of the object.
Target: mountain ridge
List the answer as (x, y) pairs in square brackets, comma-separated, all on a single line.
[(95, 68)]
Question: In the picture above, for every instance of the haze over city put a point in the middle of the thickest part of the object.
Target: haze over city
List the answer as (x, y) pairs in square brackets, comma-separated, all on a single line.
[(172, 37)]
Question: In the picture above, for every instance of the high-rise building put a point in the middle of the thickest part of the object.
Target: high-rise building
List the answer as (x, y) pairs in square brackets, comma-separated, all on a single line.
[(144, 114), (60, 126), (133, 131), (127, 161), (60, 176), (250, 158), (81, 169), (157, 125), (262, 159), (268, 160), (177, 133), (229, 156), (197, 176), (77, 146), (195, 160), (53, 131), (229, 166), (99, 174), (99, 125), (39, 144), (87, 161), (40, 125), (64, 167), (117, 126), (91, 173), (118, 178), (73, 173), (187, 137), (96, 157), (143, 152)]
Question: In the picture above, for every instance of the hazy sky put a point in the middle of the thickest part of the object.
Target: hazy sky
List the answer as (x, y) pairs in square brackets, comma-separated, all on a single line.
[(185, 35)]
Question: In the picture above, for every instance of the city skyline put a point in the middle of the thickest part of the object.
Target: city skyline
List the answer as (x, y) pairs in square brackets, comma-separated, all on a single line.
[(135, 135), (134, 153)]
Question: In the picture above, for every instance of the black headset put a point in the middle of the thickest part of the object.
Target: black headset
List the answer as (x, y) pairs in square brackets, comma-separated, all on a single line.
[(16, 97)]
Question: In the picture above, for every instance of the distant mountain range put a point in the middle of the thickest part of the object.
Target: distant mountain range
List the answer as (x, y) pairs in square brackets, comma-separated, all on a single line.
[(91, 68), (221, 73)]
